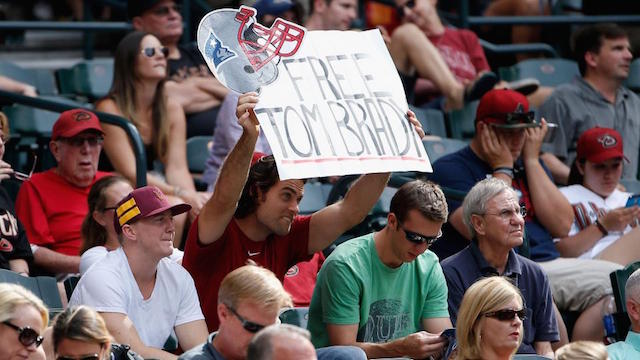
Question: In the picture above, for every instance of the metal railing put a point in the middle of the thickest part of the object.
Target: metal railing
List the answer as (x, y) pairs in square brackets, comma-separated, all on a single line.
[(128, 127)]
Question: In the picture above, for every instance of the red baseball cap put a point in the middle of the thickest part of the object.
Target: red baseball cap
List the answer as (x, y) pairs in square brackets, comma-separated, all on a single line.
[(72, 122), (505, 108), (144, 202), (600, 144), (256, 157)]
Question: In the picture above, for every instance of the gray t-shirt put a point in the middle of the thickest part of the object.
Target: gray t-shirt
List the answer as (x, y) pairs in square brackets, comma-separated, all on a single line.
[(577, 107), (205, 351)]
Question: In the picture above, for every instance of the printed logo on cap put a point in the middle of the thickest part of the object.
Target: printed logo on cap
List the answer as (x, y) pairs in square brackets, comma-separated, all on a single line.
[(519, 108), (82, 116), (607, 141), (158, 194)]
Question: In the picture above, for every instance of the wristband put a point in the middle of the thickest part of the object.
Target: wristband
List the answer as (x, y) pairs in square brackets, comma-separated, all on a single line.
[(504, 170), (601, 227)]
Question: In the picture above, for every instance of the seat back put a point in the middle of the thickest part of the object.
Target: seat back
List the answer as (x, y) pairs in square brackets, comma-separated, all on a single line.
[(633, 80), (41, 79), (70, 284), (315, 197), (432, 120), (298, 316), (198, 148), (550, 72), (461, 123), (632, 185), (618, 283), (44, 287), (439, 147), (91, 79)]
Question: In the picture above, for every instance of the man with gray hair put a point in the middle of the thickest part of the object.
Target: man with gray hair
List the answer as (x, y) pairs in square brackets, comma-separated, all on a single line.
[(495, 219), (281, 342), (630, 347), (387, 280)]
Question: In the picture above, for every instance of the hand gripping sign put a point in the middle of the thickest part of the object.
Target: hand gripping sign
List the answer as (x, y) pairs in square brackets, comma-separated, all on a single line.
[(331, 102)]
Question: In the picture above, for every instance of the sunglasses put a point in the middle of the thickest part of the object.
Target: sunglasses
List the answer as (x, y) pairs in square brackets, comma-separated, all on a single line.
[(507, 314), (421, 239), (151, 51), (26, 335), (246, 324), (86, 357), (165, 10), (515, 117), (24, 177), (79, 141), (409, 4)]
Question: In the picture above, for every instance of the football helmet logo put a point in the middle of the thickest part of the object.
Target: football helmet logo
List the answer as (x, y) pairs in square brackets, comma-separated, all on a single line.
[(242, 53)]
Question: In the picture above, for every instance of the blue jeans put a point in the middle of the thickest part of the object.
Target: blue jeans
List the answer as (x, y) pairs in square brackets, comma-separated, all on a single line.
[(341, 353)]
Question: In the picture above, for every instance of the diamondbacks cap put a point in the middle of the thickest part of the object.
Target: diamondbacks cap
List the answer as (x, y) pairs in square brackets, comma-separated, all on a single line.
[(600, 144), (72, 122), (505, 108), (142, 203)]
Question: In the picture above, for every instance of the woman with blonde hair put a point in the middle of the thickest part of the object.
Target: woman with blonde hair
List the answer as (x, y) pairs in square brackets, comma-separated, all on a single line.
[(80, 333), (23, 317), (582, 350), (489, 324)]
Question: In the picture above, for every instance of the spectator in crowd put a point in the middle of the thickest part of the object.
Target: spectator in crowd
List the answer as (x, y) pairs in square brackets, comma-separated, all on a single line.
[(281, 342), (52, 204), (602, 228), (583, 350), (9, 84), (254, 215), (15, 252), (506, 146), (387, 279), (490, 320), (143, 296), (190, 84), (331, 14), (597, 99), (630, 347), (23, 317), (269, 10), (493, 216), (80, 332), (138, 94)]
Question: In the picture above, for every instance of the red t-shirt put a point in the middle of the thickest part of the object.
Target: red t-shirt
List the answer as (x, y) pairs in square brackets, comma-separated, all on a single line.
[(463, 54), (301, 278), (209, 264), (52, 211)]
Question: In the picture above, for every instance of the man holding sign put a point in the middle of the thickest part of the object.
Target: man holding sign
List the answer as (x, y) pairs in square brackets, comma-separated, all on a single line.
[(252, 214)]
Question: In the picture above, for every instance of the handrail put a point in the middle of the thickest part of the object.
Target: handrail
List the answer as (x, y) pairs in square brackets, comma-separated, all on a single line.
[(66, 25), (129, 129), (551, 19), (519, 48)]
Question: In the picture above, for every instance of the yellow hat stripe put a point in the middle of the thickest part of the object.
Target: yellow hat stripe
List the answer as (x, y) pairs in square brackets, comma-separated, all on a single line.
[(128, 215), (125, 206)]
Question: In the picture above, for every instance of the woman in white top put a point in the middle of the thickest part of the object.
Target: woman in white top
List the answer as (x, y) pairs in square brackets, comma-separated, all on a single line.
[(604, 228)]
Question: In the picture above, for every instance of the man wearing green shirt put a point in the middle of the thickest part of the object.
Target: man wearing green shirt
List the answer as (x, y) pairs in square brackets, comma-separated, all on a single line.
[(384, 292)]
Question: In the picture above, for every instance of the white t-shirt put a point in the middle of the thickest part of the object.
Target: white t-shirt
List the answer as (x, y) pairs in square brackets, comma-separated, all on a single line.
[(96, 253), (587, 206), (110, 287)]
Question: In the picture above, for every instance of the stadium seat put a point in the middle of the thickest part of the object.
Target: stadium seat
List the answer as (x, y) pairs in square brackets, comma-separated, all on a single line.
[(618, 283), (91, 79), (432, 120), (42, 79), (633, 80), (298, 316), (439, 147), (70, 285), (197, 152), (44, 287), (461, 123), (550, 72), (315, 197)]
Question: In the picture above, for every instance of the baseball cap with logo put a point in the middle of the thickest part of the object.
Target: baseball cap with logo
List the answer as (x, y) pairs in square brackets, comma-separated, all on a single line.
[(142, 203), (504, 108), (72, 122), (600, 144)]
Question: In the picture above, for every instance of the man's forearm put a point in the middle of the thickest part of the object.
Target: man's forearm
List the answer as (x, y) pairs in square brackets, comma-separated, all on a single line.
[(234, 171), (56, 262)]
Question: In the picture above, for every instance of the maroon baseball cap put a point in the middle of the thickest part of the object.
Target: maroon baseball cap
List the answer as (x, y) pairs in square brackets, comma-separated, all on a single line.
[(72, 122), (144, 202), (505, 108), (600, 144)]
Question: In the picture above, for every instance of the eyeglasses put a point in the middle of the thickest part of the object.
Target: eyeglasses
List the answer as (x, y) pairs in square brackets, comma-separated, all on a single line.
[(507, 214), (246, 324), (507, 314), (409, 4), (165, 10), (24, 177), (515, 117), (78, 141), (26, 335), (86, 357), (151, 51), (421, 239)]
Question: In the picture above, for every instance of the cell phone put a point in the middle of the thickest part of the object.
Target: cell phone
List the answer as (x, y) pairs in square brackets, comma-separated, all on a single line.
[(633, 200), (449, 334), (551, 133)]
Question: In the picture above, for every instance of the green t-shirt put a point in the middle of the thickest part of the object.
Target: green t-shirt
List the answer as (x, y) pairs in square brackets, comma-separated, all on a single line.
[(355, 287)]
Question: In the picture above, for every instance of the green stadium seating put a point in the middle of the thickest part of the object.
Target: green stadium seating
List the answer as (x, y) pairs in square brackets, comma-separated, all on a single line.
[(550, 72), (439, 147), (432, 120), (197, 152), (44, 287), (461, 123), (42, 79), (618, 283), (90, 79), (633, 81)]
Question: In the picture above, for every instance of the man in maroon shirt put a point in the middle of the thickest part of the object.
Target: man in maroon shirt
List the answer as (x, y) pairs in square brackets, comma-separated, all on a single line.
[(254, 215)]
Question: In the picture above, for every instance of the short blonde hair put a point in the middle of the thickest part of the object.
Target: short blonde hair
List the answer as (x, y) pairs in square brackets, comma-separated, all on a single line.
[(253, 283), (582, 350), (80, 323), (485, 295), (13, 296)]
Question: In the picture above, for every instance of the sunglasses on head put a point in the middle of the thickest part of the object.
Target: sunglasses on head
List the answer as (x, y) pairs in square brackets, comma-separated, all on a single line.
[(515, 117), (164, 10), (151, 51), (26, 335), (246, 324), (507, 314), (409, 4), (86, 357), (421, 239)]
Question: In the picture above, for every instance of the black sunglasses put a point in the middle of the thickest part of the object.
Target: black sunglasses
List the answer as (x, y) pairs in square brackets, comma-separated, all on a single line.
[(507, 314), (246, 324), (87, 357), (151, 51), (79, 141), (409, 4), (515, 117), (421, 239), (164, 10), (26, 335)]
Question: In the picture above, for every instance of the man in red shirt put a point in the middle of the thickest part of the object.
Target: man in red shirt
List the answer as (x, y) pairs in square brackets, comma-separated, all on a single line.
[(52, 204), (254, 215)]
